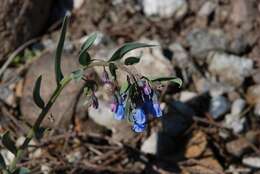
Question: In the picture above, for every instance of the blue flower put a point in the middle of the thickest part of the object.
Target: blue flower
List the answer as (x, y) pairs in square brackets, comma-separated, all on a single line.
[(153, 108), (139, 127), (120, 112), (139, 116)]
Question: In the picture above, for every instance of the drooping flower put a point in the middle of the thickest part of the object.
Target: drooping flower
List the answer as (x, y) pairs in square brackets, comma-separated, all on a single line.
[(147, 89), (139, 116), (153, 108), (157, 112), (120, 112), (139, 127)]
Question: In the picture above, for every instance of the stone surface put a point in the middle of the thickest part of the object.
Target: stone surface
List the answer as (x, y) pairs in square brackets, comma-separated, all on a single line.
[(180, 55), (238, 147), (230, 69), (165, 8), (187, 95), (238, 106), (196, 145), (207, 9), (202, 41), (218, 106), (235, 122), (253, 94), (21, 21), (63, 108), (253, 162)]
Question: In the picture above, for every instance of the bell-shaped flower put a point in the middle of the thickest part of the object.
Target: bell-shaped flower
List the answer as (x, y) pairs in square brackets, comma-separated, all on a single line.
[(139, 116), (120, 112), (139, 127)]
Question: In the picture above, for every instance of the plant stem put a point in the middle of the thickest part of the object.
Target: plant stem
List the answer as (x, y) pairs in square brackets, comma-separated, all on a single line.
[(38, 122)]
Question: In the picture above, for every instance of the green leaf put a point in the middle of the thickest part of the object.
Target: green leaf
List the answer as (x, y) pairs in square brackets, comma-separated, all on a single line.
[(131, 60), (124, 87), (9, 143), (58, 72), (126, 48), (112, 69), (84, 58), (89, 42), (77, 75), (2, 162), (21, 170), (36, 93), (171, 79)]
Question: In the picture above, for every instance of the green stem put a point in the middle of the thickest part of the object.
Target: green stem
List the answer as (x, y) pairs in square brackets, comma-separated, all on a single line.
[(38, 122)]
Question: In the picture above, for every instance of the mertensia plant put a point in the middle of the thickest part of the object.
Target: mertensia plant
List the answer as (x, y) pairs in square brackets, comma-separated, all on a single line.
[(135, 101)]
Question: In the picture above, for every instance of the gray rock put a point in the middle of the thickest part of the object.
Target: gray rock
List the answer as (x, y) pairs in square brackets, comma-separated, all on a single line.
[(239, 45), (235, 122), (218, 106), (230, 69), (187, 95), (203, 41), (207, 9), (219, 88), (238, 106), (165, 8), (177, 118), (253, 162), (158, 143), (180, 56), (238, 147)]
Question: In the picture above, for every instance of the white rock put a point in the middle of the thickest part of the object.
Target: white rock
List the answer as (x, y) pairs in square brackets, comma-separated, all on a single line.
[(207, 9), (74, 156), (7, 155), (234, 122), (253, 162), (231, 69), (150, 144), (238, 106), (165, 8), (187, 95), (45, 169), (77, 3), (257, 110), (218, 106)]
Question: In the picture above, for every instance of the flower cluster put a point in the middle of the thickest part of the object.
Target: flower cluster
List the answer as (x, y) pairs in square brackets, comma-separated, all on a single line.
[(137, 102)]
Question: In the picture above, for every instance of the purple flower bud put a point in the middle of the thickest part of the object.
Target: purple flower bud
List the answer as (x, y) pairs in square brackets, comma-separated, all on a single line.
[(139, 127), (139, 116), (113, 107), (105, 76), (147, 89), (120, 112), (94, 101)]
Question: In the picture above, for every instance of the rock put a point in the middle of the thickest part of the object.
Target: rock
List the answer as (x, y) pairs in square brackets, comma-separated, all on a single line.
[(243, 11), (187, 95), (238, 106), (165, 8), (7, 95), (230, 69), (234, 122), (177, 118), (158, 143), (202, 85), (196, 145), (180, 56), (207, 9), (257, 110), (7, 155), (203, 41), (45, 169), (238, 45), (218, 106), (253, 162), (253, 94), (77, 4), (21, 21), (74, 157), (238, 147), (62, 109), (219, 88)]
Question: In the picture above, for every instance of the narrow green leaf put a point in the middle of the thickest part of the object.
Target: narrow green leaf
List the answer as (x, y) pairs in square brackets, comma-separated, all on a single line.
[(126, 48), (171, 79), (2, 162), (131, 60), (58, 72), (9, 143), (112, 69), (124, 87), (89, 42), (36, 93), (84, 58)]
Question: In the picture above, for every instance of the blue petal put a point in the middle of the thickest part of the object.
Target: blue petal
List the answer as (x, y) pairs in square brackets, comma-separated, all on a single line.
[(139, 116), (139, 127), (157, 110), (120, 112)]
